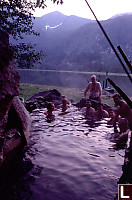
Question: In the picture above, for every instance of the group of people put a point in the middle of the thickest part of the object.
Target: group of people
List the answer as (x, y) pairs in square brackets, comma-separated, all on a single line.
[(90, 111), (51, 107), (122, 113)]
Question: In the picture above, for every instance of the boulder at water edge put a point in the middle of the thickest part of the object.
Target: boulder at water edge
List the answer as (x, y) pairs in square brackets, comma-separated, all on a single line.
[(14, 119), (9, 79), (40, 99)]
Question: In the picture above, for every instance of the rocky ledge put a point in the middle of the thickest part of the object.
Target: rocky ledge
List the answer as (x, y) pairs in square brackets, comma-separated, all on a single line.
[(14, 118), (39, 100)]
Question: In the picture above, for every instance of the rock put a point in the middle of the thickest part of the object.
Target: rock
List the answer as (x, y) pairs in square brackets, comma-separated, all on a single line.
[(14, 118), (12, 140), (19, 118), (5, 52), (39, 100), (9, 79), (44, 94), (82, 104), (17, 130), (22, 99)]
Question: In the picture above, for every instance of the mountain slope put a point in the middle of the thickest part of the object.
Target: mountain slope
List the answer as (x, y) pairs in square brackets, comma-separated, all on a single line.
[(89, 50), (73, 43)]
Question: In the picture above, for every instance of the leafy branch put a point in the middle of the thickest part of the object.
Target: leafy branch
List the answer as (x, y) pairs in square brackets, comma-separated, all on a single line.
[(16, 18)]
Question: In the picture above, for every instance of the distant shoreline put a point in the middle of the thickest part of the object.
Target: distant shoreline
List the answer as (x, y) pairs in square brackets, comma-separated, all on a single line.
[(76, 72), (27, 90)]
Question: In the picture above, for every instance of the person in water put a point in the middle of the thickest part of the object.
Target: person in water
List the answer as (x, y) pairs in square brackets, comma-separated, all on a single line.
[(101, 112), (88, 110), (124, 139), (123, 110), (95, 89), (64, 106), (49, 113), (124, 135), (111, 113)]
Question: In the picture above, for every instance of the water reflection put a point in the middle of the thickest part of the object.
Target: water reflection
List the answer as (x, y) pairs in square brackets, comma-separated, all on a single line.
[(16, 179), (70, 158), (76, 160), (72, 79)]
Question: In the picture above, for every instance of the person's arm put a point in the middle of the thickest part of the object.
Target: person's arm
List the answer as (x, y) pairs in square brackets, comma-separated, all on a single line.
[(123, 137), (46, 113), (59, 106), (86, 90), (115, 119)]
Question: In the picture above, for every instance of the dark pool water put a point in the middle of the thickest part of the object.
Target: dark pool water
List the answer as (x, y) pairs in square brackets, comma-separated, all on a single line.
[(68, 159)]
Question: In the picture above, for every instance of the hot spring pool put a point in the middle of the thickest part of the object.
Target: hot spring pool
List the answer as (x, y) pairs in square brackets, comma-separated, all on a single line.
[(68, 159)]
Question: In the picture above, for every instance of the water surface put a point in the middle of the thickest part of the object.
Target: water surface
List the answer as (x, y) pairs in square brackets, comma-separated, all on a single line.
[(68, 159), (73, 79)]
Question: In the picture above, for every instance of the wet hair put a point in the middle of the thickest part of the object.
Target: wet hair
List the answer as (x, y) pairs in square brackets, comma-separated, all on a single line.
[(93, 76), (49, 105), (123, 120)]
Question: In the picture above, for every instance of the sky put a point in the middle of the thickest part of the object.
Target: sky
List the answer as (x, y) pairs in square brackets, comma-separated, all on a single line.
[(103, 9)]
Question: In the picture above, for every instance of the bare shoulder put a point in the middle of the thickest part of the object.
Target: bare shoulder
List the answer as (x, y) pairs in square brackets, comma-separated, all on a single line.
[(89, 84), (99, 84), (92, 109), (105, 113), (125, 105)]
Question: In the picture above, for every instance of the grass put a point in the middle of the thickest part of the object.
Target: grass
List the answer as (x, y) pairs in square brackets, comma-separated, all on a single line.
[(28, 90)]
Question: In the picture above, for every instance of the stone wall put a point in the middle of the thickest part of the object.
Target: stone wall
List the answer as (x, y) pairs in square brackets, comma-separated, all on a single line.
[(9, 79), (14, 118)]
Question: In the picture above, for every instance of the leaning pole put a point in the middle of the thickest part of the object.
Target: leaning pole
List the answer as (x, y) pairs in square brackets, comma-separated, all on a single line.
[(108, 39), (123, 95)]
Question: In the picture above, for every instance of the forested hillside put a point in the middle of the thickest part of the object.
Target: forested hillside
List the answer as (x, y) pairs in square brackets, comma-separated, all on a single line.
[(73, 43)]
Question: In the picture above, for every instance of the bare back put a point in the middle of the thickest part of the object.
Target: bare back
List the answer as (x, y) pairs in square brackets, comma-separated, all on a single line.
[(125, 112)]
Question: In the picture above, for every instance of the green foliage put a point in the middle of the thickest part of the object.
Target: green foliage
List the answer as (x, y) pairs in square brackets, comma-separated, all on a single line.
[(26, 55), (16, 18)]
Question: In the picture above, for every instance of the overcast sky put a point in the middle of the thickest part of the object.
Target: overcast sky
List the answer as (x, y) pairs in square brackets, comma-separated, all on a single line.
[(103, 9)]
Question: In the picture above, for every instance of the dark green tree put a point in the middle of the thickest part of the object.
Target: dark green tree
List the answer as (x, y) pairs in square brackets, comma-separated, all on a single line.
[(16, 18)]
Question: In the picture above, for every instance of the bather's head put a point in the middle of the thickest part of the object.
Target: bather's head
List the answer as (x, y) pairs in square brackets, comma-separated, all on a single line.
[(117, 99), (111, 113), (99, 106), (50, 106), (93, 78), (64, 101), (123, 125), (88, 103)]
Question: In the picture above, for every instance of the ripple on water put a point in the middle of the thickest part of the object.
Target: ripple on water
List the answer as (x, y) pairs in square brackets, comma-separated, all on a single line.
[(75, 156)]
